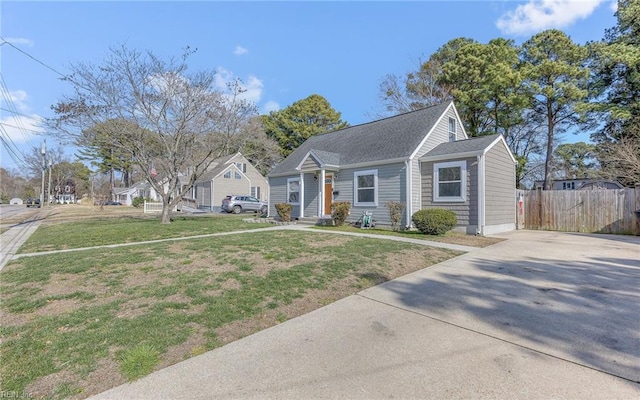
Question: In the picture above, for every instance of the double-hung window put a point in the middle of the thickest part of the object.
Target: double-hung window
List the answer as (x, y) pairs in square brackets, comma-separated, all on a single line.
[(450, 181), (366, 188), (293, 190)]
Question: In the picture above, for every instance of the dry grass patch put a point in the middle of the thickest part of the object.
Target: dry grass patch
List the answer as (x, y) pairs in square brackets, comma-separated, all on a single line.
[(117, 304)]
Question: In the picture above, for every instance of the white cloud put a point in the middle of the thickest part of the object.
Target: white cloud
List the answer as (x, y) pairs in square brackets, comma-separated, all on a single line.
[(613, 5), (270, 106), (239, 50), (252, 88), (538, 15), (21, 129), (19, 98), (19, 41)]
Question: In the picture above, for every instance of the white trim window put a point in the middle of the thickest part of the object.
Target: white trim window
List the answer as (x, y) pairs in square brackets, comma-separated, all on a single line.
[(293, 190), (365, 184), (452, 129), (450, 181), (227, 175)]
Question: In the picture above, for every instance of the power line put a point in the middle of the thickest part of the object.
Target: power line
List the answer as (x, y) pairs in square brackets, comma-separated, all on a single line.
[(31, 57), (21, 114), (14, 152), (9, 100), (17, 127)]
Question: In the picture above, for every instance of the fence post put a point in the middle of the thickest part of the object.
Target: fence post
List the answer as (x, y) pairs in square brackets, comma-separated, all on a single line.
[(636, 212), (520, 209)]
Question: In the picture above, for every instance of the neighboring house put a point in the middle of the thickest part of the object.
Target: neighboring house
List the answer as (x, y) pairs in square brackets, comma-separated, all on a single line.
[(233, 174), (66, 193), (398, 159), (580, 184), (140, 189)]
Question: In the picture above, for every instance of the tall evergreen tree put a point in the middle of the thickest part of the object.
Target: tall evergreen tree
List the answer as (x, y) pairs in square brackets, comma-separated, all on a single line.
[(556, 78), (616, 83), (291, 126)]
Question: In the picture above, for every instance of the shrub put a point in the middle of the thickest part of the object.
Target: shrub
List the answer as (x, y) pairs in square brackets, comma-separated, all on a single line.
[(284, 211), (434, 221), (137, 201), (340, 212), (396, 209)]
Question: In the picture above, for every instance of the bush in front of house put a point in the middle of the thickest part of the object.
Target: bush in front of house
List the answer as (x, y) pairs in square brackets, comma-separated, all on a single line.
[(339, 212), (396, 209), (137, 201), (284, 211), (434, 221)]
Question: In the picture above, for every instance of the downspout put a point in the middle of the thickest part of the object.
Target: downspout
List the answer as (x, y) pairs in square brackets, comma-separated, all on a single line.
[(301, 195), (269, 197), (409, 208), (481, 196), (212, 192)]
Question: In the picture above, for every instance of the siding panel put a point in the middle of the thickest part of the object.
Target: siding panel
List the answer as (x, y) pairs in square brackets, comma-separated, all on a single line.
[(440, 134), (391, 186), (500, 183), (466, 212)]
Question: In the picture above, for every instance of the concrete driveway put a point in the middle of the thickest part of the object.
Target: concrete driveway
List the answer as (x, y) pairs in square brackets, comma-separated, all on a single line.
[(542, 315)]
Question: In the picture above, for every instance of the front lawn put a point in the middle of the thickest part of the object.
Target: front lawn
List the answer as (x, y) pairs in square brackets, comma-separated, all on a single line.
[(75, 324), (105, 230)]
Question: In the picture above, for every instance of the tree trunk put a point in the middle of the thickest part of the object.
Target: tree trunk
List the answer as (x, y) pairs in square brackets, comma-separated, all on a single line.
[(166, 211), (548, 161)]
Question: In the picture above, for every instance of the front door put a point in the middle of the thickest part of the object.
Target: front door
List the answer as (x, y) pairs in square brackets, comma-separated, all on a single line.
[(328, 194)]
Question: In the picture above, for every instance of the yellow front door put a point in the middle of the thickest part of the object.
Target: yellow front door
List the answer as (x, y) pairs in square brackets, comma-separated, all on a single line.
[(328, 194)]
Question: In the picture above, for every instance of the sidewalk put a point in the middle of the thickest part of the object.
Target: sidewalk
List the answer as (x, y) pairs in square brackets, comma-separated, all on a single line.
[(14, 237)]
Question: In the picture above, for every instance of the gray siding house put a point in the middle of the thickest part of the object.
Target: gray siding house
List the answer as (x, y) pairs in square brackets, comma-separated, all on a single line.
[(476, 178), (394, 159), (233, 174)]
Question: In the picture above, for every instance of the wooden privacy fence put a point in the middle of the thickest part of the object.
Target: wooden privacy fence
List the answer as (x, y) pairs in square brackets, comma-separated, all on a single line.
[(600, 210)]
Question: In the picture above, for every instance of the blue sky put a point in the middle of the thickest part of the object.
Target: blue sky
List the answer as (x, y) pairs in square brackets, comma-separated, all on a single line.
[(282, 51)]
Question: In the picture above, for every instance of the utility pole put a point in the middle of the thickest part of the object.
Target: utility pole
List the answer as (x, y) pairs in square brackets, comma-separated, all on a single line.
[(49, 186), (43, 151)]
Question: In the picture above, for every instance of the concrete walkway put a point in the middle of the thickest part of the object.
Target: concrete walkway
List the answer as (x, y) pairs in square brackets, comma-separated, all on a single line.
[(14, 237), (17, 235), (541, 315)]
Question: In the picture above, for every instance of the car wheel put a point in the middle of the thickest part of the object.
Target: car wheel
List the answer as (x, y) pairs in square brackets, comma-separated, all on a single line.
[(263, 210), (237, 209)]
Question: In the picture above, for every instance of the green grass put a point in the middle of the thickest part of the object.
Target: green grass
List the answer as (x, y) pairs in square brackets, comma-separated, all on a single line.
[(132, 304), (139, 361), (449, 237), (104, 231)]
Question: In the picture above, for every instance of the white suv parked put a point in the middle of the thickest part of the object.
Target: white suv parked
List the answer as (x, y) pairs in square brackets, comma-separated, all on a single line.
[(237, 204)]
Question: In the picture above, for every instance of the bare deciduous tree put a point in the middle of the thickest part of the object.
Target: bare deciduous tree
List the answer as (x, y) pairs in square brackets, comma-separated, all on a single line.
[(171, 123)]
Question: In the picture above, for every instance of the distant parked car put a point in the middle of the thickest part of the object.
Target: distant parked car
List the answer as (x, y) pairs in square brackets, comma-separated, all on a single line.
[(107, 203), (33, 202), (237, 204)]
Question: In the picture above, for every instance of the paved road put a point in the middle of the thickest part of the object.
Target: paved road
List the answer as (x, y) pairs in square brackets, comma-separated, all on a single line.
[(542, 315)]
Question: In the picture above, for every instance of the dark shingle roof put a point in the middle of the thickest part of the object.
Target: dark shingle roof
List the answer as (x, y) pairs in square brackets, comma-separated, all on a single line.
[(219, 165), (326, 157), (472, 145), (389, 138)]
